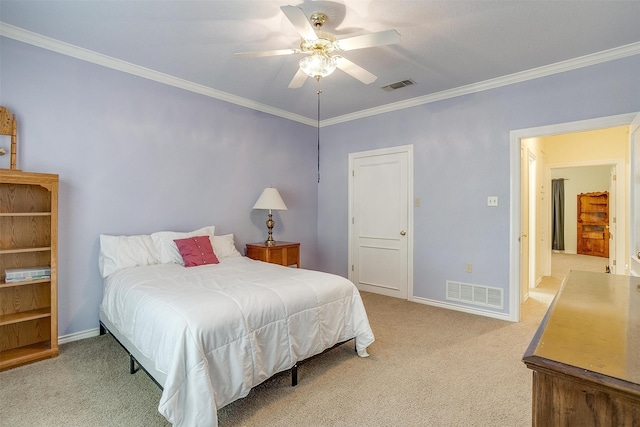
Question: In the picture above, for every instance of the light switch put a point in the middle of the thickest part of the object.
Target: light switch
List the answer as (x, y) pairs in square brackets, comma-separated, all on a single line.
[(492, 201)]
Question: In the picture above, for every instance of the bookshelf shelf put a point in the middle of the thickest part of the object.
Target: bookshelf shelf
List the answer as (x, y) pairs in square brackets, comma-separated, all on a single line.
[(28, 238)]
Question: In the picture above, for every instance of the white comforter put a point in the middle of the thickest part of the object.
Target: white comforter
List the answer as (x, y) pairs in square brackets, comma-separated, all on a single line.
[(216, 331)]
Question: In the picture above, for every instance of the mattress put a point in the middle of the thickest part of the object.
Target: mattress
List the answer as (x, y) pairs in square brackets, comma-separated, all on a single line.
[(213, 332)]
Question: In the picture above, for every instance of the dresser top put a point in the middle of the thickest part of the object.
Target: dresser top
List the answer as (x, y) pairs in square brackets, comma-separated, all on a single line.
[(592, 327)]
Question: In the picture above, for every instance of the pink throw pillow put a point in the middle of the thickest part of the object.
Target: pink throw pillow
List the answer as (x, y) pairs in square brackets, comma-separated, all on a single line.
[(196, 251)]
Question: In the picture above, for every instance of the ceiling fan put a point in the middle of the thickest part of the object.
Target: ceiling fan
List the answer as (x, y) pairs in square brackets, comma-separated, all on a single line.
[(320, 46)]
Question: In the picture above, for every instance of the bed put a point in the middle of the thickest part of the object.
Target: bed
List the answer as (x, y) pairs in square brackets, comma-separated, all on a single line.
[(208, 333)]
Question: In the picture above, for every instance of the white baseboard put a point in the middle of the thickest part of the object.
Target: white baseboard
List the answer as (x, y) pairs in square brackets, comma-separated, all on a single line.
[(465, 309), (79, 336)]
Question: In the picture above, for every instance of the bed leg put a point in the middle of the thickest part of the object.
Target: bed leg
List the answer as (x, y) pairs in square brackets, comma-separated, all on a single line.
[(294, 375), (132, 365)]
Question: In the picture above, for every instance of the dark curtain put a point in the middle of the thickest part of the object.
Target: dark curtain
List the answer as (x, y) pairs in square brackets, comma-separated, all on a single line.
[(558, 214)]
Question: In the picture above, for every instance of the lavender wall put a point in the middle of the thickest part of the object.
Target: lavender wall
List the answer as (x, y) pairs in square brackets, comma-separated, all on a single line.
[(462, 155), (135, 156)]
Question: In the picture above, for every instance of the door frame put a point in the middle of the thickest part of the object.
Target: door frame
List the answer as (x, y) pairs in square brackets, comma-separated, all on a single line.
[(532, 229), (618, 209), (634, 202), (525, 221), (514, 191), (408, 149)]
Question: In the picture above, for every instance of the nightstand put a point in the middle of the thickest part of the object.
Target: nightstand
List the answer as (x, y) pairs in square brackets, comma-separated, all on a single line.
[(283, 253)]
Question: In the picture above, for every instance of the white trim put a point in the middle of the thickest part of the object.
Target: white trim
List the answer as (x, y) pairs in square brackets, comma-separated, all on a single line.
[(622, 194), (585, 163), (547, 70), (48, 43), (44, 42), (514, 192), (462, 308), (634, 140), (635, 124), (577, 126), (77, 336)]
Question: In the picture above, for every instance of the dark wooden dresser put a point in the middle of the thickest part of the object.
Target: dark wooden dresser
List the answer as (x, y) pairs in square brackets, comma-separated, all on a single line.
[(585, 355)]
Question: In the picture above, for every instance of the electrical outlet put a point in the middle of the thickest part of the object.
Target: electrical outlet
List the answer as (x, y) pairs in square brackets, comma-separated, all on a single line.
[(468, 267), (492, 201)]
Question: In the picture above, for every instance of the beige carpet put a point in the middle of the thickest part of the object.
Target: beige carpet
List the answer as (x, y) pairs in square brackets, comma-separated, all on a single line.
[(562, 263), (428, 367)]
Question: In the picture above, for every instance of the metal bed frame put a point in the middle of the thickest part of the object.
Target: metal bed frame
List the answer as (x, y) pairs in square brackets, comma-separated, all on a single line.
[(158, 378)]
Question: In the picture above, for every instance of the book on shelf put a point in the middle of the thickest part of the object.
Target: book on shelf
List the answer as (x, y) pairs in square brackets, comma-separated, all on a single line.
[(25, 274)]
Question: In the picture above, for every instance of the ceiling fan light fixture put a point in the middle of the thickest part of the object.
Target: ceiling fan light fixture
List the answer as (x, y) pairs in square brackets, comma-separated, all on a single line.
[(318, 65)]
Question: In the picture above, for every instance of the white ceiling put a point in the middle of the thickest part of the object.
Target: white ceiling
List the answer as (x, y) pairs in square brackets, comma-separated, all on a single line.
[(444, 45)]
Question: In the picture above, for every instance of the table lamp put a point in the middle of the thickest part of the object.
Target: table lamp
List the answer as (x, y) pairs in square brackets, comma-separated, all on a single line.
[(270, 199)]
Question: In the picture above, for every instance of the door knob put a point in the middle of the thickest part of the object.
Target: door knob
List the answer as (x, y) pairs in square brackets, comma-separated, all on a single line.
[(402, 233)]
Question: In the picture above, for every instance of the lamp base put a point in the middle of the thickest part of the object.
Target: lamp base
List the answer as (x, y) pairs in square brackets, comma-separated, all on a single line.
[(270, 224)]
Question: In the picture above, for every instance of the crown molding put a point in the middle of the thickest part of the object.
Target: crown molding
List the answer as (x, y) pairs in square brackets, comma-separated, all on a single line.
[(48, 43), (77, 52), (547, 70)]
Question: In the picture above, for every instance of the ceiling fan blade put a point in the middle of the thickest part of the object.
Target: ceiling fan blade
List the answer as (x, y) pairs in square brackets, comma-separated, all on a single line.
[(267, 53), (354, 70), (298, 80), (300, 22), (380, 38)]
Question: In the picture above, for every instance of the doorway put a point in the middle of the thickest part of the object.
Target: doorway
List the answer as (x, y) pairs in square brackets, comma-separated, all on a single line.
[(381, 221), (517, 261), (581, 182)]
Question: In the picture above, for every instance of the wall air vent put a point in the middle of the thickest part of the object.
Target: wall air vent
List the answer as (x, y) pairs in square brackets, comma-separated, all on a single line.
[(398, 85), (485, 296)]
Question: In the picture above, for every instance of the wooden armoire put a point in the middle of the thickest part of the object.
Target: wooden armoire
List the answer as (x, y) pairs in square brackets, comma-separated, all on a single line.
[(593, 224)]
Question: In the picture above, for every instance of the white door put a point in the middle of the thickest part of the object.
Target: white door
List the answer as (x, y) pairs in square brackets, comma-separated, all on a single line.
[(612, 220), (634, 220), (533, 217), (524, 223), (380, 194)]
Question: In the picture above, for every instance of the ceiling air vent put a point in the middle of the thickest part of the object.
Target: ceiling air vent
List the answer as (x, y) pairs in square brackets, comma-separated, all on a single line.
[(398, 85)]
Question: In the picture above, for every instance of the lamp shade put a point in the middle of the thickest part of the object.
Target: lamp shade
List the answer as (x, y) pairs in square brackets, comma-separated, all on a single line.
[(270, 199)]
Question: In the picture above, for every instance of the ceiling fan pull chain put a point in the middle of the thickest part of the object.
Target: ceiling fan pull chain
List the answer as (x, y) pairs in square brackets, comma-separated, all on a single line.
[(319, 92)]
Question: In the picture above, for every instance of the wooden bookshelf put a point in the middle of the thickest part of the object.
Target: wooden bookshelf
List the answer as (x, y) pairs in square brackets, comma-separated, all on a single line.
[(28, 238)]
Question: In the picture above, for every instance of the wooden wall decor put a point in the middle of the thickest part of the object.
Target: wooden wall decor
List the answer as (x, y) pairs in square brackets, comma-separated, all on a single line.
[(8, 126)]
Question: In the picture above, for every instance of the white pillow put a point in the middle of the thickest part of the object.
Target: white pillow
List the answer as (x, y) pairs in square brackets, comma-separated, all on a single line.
[(166, 248), (224, 246), (118, 252)]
